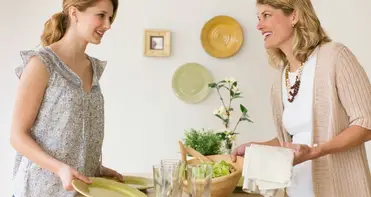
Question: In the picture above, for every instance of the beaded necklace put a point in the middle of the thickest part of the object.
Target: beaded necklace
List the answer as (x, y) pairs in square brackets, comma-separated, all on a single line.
[(293, 90)]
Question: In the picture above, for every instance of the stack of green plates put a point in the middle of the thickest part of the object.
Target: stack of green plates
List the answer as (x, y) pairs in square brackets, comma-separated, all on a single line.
[(106, 187)]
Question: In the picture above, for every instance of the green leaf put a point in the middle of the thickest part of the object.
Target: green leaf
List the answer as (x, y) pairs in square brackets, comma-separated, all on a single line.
[(234, 83), (212, 85), (246, 119), (217, 115), (226, 121), (243, 109), (236, 97), (231, 93), (222, 135), (249, 120)]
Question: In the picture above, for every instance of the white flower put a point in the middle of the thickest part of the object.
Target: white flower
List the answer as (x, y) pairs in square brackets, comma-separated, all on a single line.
[(235, 89), (221, 112)]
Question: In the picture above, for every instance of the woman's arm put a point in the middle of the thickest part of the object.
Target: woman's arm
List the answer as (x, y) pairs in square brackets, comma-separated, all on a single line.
[(30, 93), (349, 138), (354, 92), (272, 142)]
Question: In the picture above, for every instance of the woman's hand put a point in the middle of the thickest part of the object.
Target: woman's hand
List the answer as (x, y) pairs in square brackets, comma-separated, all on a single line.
[(302, 152), (107, 172), (67, 174), (239, 151)]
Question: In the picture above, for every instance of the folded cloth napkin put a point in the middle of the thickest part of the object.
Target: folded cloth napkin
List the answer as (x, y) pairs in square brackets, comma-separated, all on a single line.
[(267, 169)]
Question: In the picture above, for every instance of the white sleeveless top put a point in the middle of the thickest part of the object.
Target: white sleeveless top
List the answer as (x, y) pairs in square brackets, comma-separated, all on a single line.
[(297, 120)]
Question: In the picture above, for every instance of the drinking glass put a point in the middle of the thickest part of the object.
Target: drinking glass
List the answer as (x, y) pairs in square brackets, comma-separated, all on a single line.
[(199, 178), (157, 179), (167, 177)]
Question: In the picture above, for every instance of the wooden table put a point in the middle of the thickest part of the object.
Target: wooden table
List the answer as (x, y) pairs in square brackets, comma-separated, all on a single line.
[(150, 193), (237, 193)]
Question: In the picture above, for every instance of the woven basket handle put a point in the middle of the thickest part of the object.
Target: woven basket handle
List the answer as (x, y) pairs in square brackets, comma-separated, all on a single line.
[(183, 151), (188, 150)]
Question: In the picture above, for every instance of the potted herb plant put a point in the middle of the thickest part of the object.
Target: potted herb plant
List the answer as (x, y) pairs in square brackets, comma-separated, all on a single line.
[(205, 141)]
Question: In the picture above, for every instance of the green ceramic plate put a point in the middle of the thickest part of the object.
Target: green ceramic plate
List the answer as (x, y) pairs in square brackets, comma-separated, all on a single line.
[(140, 183), (137, 182), (190, 82), (105, 187)]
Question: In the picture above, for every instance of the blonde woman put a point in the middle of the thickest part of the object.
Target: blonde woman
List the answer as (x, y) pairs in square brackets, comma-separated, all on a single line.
[(321, 102), (58, 122)]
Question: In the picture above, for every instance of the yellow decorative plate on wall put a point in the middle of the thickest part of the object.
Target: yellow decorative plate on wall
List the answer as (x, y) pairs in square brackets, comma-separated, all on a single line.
[(191, 82), (222, 36), (105, 187)]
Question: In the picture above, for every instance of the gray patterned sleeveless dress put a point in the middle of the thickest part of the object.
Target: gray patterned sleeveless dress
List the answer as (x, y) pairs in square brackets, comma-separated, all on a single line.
[(69, 127)]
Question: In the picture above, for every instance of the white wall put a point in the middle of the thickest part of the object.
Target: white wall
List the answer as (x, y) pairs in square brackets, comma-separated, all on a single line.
[(144, 122)]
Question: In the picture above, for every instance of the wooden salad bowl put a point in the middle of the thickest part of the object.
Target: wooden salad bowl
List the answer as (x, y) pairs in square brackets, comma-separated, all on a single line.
[(220, 186)]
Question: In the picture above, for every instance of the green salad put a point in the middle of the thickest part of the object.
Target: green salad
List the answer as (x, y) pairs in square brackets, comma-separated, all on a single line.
[(219, 168)]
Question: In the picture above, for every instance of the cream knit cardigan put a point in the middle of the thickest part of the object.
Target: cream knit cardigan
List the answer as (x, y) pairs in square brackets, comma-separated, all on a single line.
[(341, 98)]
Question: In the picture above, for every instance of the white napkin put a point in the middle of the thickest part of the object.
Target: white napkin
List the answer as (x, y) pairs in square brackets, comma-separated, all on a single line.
[(267, 169)]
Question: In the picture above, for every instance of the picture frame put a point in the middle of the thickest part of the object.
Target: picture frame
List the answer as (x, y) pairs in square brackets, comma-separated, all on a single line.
[(157, 43)]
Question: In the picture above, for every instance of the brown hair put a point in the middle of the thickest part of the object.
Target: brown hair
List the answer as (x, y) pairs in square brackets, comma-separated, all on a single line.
[(56, 26), (308, 32)]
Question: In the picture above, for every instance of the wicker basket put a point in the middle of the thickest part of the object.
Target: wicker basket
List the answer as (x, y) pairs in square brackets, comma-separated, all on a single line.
[(220, 186)]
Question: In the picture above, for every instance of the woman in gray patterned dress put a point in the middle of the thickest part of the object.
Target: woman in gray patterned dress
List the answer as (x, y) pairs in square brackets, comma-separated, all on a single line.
[(58, 121)]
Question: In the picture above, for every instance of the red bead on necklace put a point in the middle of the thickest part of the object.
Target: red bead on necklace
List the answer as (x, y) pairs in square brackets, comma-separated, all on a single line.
[(292, 91)]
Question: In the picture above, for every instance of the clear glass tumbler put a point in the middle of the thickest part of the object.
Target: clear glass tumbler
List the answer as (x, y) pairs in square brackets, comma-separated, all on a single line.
[(167, 178), (157, 179), (199, 178)]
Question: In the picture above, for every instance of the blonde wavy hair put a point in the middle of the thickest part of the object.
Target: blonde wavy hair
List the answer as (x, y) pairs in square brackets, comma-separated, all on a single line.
[(56, 26), (308, 32)]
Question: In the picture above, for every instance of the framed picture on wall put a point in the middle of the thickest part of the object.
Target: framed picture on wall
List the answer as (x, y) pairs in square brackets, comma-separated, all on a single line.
[(157, 43)]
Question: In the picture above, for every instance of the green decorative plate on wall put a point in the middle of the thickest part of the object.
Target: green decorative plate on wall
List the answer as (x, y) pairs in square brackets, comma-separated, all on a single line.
[(191, 82)]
